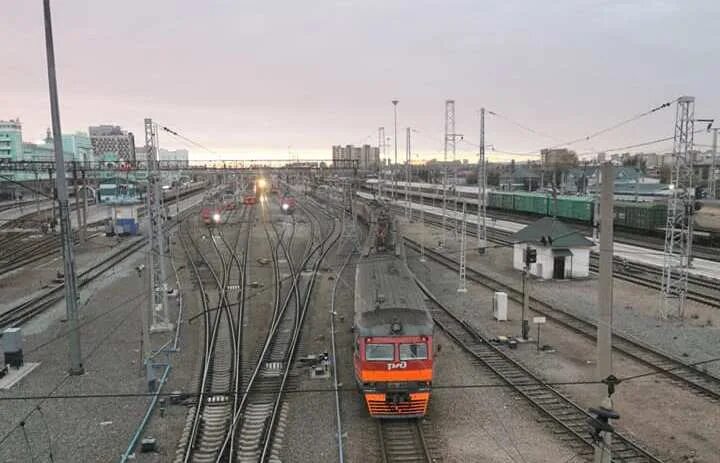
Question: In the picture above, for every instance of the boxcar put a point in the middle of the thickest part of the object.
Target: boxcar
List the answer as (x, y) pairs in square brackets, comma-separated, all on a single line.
[(531, 202), (578, 208)]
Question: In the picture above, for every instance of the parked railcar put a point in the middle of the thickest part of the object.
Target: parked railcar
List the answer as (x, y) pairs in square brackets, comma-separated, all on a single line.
[(393, 328)]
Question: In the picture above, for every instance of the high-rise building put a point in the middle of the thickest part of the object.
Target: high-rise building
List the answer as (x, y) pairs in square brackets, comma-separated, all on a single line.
[(10, 140), (176, 157), (79, 147), (112, 139), (367, 157)]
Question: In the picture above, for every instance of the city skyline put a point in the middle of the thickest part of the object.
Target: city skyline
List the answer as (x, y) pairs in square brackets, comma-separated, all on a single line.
[(252, 94)]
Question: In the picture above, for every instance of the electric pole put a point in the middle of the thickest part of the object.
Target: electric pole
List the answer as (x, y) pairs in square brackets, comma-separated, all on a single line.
[(678, 228), (381, 145), (605, 305), (394, 182), (462, 287), (482, 184), (78, 212), (712, 190), (408, 209), (71, 295)]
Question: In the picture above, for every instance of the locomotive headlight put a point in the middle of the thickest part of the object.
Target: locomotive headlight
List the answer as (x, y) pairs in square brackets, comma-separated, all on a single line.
[(261, 183), (285, 206), (216, 218)]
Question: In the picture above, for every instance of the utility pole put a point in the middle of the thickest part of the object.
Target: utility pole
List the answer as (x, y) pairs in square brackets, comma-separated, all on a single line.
[(422, 225), (408, 209), (71, 295), (156, 239), (462, 287), (54, 191), (37, 189), (78, 212), (529, 257), (84, 205), (605, 306), (712, 193), (678, 228), (482, 184), (381, 145), (395, 103)]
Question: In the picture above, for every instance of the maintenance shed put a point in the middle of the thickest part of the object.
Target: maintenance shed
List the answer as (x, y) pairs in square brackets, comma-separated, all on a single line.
[(562, 252)]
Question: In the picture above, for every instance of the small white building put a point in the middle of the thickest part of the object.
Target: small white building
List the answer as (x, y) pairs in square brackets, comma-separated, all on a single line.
[(562, 252)]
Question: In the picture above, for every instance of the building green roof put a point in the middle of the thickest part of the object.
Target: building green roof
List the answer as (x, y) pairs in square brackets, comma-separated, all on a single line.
[(561, 235)]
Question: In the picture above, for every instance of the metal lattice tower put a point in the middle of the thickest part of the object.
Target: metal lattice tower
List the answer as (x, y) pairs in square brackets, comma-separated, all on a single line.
[(449, 145), (156, 237), (462, 286), (678, 229), (482, 186)]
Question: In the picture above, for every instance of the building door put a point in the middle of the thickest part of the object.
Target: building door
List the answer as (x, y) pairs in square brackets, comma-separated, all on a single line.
[(559, 268)]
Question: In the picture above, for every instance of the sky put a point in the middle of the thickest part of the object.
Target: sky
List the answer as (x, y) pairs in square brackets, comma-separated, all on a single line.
[(258, 79)]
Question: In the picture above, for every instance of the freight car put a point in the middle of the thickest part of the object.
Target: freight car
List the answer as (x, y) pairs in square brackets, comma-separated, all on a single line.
[(644, 217), (393, 328)]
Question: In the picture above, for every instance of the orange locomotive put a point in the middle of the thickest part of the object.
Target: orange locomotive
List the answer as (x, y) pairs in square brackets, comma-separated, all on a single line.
[(393, 327)]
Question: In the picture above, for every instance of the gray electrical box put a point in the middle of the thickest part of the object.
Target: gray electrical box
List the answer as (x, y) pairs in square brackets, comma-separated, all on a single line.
[(12, 346)]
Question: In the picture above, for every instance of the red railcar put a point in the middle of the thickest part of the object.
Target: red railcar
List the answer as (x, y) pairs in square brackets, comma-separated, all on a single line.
[(249, 199), (288, 204), (393, 329), (210, 215)]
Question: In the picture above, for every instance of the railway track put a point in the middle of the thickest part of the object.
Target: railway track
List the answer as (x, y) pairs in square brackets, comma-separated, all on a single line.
[(403, 441), (208, 421), (701, 381), (700, 289), (654, 242), (16, 252), (21, 313), (249, 426), (569, 419)]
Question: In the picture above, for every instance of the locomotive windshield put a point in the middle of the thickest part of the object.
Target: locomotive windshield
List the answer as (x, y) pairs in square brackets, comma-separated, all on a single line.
[(380, 352), (413, 351)]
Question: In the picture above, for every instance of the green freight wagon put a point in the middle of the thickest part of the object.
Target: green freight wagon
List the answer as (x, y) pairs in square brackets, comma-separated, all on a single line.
[(578, 208), (645, 216), (531, 202), (500, 200)]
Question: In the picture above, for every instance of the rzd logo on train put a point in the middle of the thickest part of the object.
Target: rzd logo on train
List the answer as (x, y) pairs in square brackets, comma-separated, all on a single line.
[(396, 365)]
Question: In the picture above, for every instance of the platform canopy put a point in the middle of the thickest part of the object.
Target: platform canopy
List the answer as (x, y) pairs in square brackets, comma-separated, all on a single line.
[(552, 233)]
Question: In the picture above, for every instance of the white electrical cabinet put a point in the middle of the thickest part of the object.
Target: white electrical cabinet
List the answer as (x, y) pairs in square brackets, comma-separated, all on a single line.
[(500, 306)]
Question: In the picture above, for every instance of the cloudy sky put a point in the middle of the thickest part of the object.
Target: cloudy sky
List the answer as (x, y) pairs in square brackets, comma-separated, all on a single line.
[(252, 78)]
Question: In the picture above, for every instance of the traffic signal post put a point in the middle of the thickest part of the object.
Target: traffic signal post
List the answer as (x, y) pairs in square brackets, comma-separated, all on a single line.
[(530, 257)]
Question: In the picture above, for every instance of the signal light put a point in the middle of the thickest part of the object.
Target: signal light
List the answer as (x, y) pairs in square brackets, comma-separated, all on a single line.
[(530, 256)]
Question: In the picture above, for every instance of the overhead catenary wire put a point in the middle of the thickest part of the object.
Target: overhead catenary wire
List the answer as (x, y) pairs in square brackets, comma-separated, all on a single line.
[(189, 140), (352, 389)]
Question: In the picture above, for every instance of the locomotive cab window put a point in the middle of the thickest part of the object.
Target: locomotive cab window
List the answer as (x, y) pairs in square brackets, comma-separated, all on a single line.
[(413, 351), (380, 352)]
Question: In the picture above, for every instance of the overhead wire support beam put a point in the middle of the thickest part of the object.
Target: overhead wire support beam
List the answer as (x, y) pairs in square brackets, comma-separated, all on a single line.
[(678, 228)]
